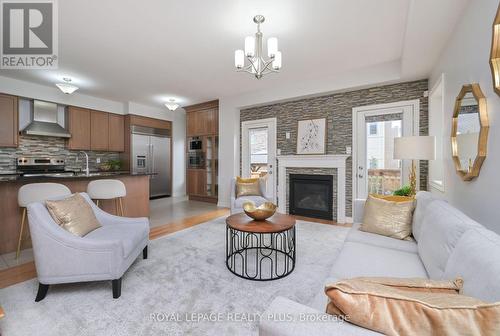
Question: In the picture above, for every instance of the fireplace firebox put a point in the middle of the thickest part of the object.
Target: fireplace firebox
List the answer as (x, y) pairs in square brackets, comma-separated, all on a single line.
[(311, 196)]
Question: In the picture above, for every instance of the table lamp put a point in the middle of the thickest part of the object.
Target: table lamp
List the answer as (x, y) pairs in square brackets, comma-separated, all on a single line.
[(414, 148)]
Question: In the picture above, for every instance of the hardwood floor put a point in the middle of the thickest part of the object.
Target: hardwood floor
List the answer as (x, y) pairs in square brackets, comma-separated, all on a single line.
[(185, 223), (27, 271), (13, 275), (16, 274)]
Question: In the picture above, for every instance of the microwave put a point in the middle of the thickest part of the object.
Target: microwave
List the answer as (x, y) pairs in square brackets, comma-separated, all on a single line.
[(195, 144)]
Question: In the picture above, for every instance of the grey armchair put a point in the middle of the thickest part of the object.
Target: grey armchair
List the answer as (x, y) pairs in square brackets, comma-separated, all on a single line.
[(103, 254), (237, 202)]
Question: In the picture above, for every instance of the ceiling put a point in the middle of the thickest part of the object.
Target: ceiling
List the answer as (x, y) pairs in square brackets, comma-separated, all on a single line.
[(148, 51)]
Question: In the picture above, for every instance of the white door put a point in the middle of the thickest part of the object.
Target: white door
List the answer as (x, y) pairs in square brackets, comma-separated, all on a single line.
[(375, 171), (258, 152)]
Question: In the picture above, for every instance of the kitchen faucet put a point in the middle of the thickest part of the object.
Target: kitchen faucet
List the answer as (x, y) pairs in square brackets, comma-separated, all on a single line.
[(87, 170)]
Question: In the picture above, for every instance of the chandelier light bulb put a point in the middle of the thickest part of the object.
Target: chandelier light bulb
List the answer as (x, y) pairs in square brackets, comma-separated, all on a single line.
[(239, 59), (277, 61), (272, 46), (249, 46)]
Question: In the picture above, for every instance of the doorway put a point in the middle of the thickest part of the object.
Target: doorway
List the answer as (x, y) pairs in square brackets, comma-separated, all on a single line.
[(258, 152), (374, 129)]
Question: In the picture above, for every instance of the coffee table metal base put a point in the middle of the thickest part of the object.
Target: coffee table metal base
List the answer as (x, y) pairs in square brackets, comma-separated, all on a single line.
[(260, 256)]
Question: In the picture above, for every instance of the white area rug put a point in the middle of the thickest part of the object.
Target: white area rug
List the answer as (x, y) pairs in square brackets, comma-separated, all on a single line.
[(184, 275)]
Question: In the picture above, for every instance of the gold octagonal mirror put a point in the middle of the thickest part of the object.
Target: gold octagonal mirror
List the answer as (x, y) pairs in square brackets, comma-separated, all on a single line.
[(469, 133)]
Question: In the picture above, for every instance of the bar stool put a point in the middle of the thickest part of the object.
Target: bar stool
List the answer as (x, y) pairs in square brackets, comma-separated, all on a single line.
[(108, 189), (37, 192)]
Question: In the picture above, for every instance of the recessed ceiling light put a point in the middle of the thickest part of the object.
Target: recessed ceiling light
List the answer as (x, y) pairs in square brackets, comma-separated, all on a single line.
[(66, 87), (171, 104)]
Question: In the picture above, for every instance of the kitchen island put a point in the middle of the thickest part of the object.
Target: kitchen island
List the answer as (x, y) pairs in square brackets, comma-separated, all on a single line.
[(135, 204)]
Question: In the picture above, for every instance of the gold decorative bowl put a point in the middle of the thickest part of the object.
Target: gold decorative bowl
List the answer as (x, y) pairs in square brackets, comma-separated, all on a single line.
[(261, 212)]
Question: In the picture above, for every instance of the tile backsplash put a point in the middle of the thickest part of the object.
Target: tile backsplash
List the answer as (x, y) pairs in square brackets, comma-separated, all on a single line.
[(49, 147)]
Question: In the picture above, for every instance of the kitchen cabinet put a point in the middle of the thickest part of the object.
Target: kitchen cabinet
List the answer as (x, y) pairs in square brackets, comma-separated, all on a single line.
[(202, 121), (99, 131), (196, 182), (9, 132), (79, 126), (116, 132)]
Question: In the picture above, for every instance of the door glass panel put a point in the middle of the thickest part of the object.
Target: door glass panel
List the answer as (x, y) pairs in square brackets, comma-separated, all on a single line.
[(384, 172), (258, 151)]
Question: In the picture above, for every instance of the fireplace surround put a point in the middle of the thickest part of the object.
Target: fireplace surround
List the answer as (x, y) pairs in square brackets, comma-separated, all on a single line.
[(337, 161)]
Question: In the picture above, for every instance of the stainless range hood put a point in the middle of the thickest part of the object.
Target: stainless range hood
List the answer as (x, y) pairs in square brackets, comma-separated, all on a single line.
[(44, 121)]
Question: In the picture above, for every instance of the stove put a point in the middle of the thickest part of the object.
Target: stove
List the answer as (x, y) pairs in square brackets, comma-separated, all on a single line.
[(42, 166)]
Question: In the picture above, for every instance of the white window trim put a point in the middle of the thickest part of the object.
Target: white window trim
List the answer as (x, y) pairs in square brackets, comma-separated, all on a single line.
[(438, 185)]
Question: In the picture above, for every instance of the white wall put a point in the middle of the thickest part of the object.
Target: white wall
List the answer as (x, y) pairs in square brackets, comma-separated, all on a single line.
[(179, 153), (464, 61), (229, 110)]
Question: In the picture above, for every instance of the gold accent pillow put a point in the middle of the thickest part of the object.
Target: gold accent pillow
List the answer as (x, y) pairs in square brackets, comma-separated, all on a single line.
[(247, 187), (73, 214), (406, 310), (391, 218)]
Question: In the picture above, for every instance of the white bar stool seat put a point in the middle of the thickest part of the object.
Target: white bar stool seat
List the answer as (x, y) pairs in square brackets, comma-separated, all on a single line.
[(37, 192), (107, 189)]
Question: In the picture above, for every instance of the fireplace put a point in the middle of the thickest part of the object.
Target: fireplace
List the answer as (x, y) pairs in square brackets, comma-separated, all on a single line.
[(311, 196)]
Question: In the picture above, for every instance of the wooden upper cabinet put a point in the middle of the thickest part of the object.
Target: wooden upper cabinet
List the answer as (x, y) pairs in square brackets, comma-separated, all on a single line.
[(191, 123), (99, 131), (9, 129), (202, 119), (79, 127), (116, 133), (204, 122)]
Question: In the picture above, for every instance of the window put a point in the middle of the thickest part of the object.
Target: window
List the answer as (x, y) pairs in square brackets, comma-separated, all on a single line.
[(373, 129)]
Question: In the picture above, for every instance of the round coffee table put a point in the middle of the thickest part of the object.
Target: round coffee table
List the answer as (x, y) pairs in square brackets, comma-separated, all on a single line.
[(260, 250)]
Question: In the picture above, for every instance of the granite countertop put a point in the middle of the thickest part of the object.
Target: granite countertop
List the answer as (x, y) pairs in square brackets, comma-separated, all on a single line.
[(13, 176)]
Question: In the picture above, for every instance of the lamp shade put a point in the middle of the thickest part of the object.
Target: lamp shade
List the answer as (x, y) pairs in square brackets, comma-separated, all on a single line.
[(415, 148)]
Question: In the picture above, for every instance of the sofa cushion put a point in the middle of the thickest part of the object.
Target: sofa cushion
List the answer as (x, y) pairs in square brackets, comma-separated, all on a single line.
[(442, 227), (356, 235), (74, 214), (130, 235), (424, 198), (359, 260), (258, 200), (391, 218), (476, 258)]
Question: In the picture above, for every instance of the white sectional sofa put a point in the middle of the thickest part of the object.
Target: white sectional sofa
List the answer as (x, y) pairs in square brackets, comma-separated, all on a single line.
[(448, 244)]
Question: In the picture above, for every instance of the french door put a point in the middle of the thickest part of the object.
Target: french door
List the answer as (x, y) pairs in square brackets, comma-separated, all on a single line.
[(375, 127), (258, 152)]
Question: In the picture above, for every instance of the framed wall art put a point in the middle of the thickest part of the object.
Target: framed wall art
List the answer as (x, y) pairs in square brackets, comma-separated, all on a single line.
[(311, 136)]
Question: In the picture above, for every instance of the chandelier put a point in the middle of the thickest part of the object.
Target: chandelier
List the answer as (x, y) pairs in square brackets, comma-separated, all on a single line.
[(257, 65)]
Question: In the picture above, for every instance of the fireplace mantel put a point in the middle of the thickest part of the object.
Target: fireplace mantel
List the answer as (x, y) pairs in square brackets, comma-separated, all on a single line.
[(314, 161)]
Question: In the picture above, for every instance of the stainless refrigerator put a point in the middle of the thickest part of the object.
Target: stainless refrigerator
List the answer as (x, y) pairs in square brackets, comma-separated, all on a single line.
[(151, 154)]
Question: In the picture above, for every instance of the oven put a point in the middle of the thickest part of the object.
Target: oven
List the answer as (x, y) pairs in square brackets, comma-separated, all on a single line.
[(195, 144), (196, 160)]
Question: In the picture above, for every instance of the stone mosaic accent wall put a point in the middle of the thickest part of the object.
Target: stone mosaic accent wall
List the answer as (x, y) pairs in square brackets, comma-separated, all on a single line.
[(337, 109), (314, 171), (51, 147)]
